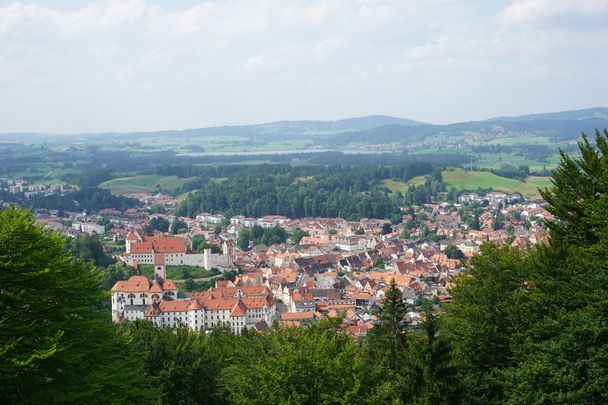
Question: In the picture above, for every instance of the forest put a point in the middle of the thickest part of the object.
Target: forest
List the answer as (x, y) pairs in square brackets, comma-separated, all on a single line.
[(321, 191), (524, 326)]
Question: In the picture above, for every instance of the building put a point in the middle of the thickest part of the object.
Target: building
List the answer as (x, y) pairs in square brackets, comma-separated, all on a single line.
[(131, 297), (175, 251), (88, 227), (156, 301)]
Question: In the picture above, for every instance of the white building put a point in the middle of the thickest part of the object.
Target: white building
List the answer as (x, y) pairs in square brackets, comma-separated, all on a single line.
[(144, 248), (238, 308), (88, 227)]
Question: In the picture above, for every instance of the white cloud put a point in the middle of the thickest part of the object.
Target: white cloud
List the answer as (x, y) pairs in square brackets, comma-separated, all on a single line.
[(526, 11), (133, 64)]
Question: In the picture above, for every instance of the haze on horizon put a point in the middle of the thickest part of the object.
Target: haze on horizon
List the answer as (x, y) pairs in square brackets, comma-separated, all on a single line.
[(77, 66)]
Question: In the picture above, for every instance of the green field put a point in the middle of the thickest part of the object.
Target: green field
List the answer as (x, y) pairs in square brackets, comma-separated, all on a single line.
[(531, 140), (464, 180), (461, 179), (401, 186), (144, 184)]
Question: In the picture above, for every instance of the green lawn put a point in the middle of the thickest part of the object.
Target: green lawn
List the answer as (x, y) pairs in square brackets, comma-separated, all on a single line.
[(143, 184), (461, 179)]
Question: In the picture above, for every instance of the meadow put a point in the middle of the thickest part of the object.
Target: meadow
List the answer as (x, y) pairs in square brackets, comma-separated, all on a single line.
[(461, 179), (145, 183), (467, 180)]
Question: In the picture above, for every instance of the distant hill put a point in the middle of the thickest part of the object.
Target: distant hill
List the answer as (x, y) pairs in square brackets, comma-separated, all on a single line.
[(558, 126), (372, 129)]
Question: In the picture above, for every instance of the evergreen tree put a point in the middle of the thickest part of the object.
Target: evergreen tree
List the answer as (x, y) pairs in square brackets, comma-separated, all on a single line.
[(579, 196), (55, 346)]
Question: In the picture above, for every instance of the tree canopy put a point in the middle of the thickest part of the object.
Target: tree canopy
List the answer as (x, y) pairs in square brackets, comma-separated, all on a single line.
[(55, 346)]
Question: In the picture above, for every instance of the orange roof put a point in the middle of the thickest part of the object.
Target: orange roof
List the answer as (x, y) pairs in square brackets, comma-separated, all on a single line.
[(239, 309), (194, 305), (361, 296), (159, 259), (141, 284), (303, 297), (131, 235), (297, 316), (254, 303), (156, 287), (133, 284), (160, 244), (219, 304), (174, 306)]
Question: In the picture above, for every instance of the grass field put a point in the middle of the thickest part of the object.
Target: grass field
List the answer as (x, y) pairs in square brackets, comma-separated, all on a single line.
[(461, 179), (401, 186), (527, 140), (143, 184)]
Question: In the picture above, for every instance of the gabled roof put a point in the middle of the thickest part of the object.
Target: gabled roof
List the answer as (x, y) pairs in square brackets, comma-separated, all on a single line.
[(239, 309), (133, 284), (141, 284)]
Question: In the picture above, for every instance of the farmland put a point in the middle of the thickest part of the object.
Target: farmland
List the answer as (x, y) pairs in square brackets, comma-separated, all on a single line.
[(461, 179)]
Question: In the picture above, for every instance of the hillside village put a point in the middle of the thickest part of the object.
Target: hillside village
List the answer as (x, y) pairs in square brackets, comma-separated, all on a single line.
[(337, 268)]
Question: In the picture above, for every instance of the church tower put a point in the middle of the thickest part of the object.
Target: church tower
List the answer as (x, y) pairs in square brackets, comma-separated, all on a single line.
[(159, 266)]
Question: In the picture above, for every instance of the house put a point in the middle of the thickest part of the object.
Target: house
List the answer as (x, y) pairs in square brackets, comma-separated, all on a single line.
[(302, 302)]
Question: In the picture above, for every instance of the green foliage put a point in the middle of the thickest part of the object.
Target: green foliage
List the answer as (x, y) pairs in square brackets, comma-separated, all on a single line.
[(55, 347), (483, 316), (332, 191), (91, 199), (307, 365), (258, 235), (378, 263), (157, 224), (297, 235), (178, 226), (113, 273), (579, 196), (88, 249), (453, 252)]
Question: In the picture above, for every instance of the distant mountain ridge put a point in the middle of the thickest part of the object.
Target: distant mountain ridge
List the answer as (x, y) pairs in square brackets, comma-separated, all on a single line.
[(373, 129)]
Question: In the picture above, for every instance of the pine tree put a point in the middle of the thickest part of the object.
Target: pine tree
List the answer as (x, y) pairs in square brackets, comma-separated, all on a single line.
[(391, 327), (579, 196)]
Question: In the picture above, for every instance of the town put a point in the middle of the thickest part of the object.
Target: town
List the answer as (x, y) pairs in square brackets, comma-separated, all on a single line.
[(307, 269)]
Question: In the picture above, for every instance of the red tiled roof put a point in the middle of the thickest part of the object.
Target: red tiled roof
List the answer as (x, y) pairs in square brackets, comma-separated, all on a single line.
[(160, 244), (159, 259), (297, 316), (174, 306), (239, 309)]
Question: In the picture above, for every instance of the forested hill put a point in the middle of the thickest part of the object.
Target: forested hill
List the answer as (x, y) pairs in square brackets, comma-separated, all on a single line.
[(322, 191)]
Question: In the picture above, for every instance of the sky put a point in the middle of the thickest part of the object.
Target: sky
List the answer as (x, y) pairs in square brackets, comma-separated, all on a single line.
[(78, 66)]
